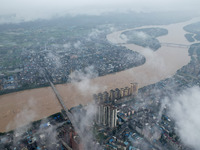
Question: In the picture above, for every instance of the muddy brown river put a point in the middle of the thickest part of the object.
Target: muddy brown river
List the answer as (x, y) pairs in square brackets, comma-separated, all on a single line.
[(20, 108)]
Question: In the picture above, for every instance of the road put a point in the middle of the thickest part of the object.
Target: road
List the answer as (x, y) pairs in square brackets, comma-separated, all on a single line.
[(175, 45)]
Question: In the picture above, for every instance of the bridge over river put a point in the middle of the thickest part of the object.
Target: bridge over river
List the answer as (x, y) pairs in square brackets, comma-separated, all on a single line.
[(175, 45)]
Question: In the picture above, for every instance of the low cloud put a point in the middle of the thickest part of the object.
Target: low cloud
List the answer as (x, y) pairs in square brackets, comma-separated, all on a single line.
[(50, 132), (154, 61), (155, 67), (141, 35), (185, 110), (26, 115), (164, 103), (124, 38), (84, 120), (82, 81), (67, 45), (23, 119), (137, 35), (54, 59), (77, 45), (94, 33)]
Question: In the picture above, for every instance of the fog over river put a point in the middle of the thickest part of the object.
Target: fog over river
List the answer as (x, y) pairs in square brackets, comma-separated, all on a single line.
[(23, 107)]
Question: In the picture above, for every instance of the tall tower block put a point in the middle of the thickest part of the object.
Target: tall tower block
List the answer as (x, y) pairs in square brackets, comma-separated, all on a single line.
[(134, 88)]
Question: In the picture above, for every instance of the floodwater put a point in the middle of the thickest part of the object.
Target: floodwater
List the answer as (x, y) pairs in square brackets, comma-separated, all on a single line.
[(17, 109)]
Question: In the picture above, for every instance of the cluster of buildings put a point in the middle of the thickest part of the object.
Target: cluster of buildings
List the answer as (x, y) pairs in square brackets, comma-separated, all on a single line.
[(123, 125), (52, 133), (117, 94), (134, 130), (106, 110), (60, 63), (39, 135), (107, 115), (136, 123), (140, 128), (8, 83), (169, 135)]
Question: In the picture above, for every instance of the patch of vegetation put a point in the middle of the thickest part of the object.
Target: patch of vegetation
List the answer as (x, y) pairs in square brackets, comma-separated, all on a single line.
[(154, 32), (195, 29), (189, 37), (24, 87), (145, 37), (195, 49), (197, 36)]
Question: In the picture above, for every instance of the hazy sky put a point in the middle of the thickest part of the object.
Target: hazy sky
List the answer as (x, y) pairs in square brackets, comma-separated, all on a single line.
[(45, 8)]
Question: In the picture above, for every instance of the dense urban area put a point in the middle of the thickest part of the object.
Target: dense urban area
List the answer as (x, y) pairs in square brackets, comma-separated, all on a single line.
[(60, 57), (124, 119)]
